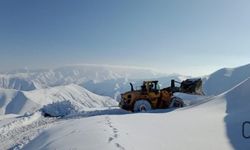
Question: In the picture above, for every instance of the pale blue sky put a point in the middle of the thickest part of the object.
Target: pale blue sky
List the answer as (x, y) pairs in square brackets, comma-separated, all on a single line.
[(193, 37)]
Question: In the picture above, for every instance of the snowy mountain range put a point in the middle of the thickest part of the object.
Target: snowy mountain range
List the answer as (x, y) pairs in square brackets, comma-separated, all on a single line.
[(26, 91), (112, 80), (75, 74), (104, 80)]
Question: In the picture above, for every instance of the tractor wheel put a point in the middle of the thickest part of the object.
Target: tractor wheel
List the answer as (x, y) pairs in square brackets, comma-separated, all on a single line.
[(142, 106), (177, 102)]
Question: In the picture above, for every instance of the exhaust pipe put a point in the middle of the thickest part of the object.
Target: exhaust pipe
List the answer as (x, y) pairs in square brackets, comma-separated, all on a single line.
[(132, 87)]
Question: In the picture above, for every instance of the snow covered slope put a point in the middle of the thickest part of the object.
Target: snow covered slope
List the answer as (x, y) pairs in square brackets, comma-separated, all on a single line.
[(215, 124), (19, 102), (70, 92), (15, 102), (224, 79)]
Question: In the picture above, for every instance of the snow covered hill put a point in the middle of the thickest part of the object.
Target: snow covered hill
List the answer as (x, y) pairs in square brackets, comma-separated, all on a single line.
[(215, 124), (224, 79), (15, 102), (20, 102), (72, 92)]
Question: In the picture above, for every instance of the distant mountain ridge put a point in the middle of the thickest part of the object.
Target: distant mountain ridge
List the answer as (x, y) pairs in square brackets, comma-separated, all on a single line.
[(76, 74), (112, 80)]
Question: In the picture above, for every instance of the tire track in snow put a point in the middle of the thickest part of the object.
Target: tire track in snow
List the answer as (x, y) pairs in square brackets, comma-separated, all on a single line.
[(115, 134), (18, 133), (21, 131)]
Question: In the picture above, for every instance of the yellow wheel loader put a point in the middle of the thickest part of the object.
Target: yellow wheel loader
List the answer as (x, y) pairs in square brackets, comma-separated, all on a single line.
[(150, 96)]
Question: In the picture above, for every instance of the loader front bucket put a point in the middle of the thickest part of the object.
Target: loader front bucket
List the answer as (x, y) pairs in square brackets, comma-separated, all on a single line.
[(192, 86)]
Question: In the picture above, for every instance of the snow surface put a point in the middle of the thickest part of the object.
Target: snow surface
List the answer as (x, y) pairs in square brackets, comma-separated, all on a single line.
[(213, 124), (208, 122)]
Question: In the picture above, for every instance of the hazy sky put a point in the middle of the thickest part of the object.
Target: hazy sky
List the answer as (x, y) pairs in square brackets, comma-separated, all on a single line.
[(192, 37)]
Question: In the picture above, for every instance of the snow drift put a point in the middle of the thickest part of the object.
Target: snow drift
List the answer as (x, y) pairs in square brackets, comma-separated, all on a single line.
[(60, 109), (224, 79)]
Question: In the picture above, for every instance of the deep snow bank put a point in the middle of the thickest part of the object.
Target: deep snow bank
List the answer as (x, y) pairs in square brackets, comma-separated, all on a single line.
[(238, 110), (238, 98), (190, 99), (60, 109)]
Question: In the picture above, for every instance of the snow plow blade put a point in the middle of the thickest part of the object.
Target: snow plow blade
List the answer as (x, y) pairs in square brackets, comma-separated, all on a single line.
[(192, 86)]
